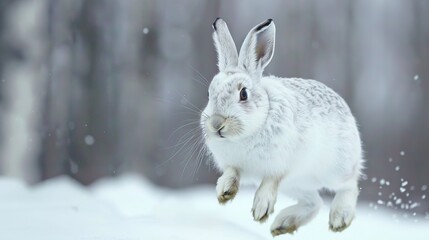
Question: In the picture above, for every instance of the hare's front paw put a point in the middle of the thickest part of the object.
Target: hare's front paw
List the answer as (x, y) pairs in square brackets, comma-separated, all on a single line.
[(227, 187), (265, 199), (263, 204)]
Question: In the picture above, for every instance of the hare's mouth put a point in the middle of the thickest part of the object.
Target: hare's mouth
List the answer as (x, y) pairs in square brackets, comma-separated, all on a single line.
[(219, 132), (221, 127)]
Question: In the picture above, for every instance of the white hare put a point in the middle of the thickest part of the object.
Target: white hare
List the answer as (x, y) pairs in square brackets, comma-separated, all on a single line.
[(293, 135)]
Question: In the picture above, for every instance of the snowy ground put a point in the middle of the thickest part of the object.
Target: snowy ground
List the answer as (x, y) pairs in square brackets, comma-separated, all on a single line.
[(128, 207)]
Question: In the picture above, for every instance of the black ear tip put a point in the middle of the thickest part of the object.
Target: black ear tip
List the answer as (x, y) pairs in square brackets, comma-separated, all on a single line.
[(264, 24), (214, 23)]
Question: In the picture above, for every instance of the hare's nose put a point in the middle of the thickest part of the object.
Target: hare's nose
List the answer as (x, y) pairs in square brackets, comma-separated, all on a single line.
[(216, 122)]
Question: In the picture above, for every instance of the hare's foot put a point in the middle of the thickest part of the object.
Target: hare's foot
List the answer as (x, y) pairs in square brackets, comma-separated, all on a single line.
[(227, 185), (343, 209), (293, 217), (265, 199)]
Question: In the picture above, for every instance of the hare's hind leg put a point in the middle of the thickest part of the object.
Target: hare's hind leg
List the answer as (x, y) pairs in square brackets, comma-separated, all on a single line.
[(343, 207), (291, 218)]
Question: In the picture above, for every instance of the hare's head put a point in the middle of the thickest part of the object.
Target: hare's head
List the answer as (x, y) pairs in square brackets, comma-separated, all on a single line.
[(238, 104)]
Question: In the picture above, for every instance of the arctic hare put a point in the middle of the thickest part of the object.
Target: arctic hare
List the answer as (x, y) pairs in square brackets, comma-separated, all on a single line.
[(293, 135)]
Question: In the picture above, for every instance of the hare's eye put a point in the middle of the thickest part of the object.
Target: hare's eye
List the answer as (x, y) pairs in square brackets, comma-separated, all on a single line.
[(243, 94)]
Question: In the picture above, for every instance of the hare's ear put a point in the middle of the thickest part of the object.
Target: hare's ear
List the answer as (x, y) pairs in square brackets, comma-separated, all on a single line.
[(258, 48), (225, 46)]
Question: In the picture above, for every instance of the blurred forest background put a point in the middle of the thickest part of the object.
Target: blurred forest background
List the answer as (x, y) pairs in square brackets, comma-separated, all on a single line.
[(97, 88)]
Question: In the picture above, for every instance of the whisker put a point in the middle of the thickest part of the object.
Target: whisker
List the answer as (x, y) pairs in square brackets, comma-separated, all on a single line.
[(200, 157), (187, 136), (193, 150), (201, 75), (183, 145), (193, 121), (200, 82), (188, 148), (195, 109), (192, 105)]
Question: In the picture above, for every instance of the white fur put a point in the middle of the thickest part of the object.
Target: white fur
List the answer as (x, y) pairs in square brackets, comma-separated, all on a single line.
[(294, 135)]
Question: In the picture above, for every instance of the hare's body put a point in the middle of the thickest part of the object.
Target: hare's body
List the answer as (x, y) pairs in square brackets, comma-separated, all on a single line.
[(288, 134), (309, 135)]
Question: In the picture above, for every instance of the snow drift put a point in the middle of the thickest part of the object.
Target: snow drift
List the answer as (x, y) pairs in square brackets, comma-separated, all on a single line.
[(129, 207)]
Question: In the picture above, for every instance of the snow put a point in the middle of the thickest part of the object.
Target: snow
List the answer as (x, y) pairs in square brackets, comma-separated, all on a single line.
[(129, 207), (398, 201), (89, 140), (145, 30)]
